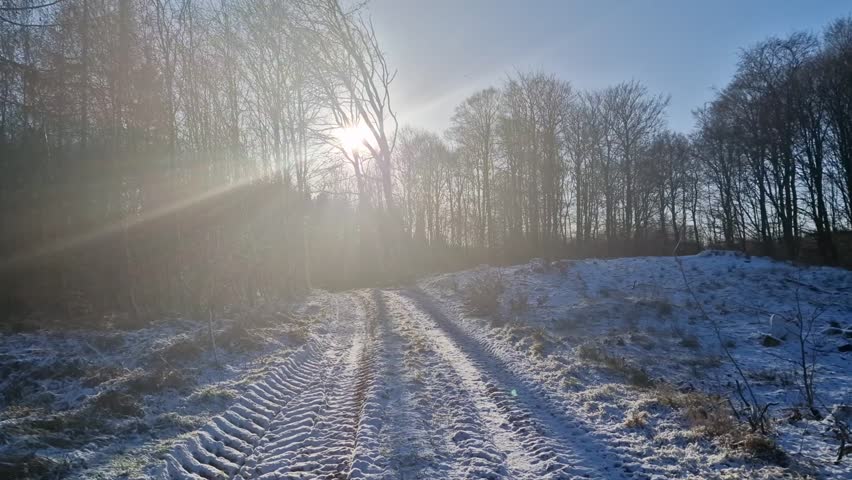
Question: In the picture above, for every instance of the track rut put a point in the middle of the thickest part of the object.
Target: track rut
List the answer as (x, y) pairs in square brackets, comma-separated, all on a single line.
[(401, 392)]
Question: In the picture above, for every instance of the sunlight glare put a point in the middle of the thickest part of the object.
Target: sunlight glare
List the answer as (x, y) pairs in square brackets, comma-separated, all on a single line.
[(354, 138)]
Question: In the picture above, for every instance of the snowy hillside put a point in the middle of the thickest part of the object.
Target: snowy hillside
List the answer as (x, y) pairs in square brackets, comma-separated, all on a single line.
[(627, 341)]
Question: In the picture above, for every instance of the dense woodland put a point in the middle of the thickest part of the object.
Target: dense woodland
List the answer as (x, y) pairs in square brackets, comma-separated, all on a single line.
[(184, 157)]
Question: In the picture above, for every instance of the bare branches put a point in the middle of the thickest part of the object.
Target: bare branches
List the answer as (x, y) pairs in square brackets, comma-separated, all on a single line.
[(30, 7), (756, 410), (24, 9), (26, 25)]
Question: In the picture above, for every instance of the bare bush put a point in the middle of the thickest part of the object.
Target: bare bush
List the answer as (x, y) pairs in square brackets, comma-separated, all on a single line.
[(714, 418), (806, 362), (691, 341), (519, 303), (839, 425), (755, 410), (482, 294)]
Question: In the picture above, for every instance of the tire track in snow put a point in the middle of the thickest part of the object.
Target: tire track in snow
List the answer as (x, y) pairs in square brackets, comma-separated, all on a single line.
[(328, 430), (367, 459), (337, 410), (228, 445), (552, 445), (219, 449), (461, 443)]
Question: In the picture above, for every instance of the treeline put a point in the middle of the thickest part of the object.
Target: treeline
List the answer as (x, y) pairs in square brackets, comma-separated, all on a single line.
[(178, 156), (536, 168), (185, 156)]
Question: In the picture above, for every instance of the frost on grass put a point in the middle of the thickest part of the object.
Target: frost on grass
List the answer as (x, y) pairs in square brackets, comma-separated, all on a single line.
[(632, 322), (103, 402)]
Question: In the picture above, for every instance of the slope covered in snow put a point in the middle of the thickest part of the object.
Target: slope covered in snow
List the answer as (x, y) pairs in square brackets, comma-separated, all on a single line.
[(625, 343)]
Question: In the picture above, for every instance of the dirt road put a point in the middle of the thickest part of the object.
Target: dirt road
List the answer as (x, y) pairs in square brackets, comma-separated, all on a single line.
[(399, 390)]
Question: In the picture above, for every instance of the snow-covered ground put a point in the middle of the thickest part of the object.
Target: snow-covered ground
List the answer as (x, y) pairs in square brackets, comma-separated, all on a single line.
[(577, 369), (105, 403), (635, 317)]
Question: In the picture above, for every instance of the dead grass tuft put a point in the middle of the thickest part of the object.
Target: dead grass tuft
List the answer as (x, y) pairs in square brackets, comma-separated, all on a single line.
[(116, 403), (482, 294), (519, 303), (707, 413), (762, 447), (635, 376), (690, 341), (181, 348), (636, 419), (711, 417)]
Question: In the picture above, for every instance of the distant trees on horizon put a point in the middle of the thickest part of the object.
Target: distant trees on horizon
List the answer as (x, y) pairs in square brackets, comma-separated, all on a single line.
[(539, 165), (178, 156)]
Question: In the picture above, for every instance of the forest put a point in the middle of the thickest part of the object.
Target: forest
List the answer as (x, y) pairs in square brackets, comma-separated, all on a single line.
[(179, 156)]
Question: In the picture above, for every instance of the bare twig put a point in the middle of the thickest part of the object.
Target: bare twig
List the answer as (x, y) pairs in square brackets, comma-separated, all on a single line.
[(757, 411)]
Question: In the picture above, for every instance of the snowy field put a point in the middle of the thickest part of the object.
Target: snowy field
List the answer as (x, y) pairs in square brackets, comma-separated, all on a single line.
[(566, 369), (105, 403)]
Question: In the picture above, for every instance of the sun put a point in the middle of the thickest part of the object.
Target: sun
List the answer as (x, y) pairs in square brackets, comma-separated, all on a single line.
[(353, 139)]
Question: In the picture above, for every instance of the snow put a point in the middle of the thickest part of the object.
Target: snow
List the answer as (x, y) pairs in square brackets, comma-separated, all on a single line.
[(588, 369), (106, 403), (638, 309)]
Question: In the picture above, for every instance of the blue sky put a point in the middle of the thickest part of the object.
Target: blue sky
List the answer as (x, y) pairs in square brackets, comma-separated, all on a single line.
[(445, 50)]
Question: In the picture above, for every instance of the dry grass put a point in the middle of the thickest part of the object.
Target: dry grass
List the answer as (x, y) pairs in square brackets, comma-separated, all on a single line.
[(636, 419), (178, 349), (158, 378), (635, 376), (214, 393), (519, 303), (761, 447), (482, 294), (690, 341), (711, 417)]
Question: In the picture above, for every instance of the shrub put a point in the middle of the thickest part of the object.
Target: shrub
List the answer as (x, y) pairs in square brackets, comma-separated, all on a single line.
[(117, 404), (635, 375), (519, 303), (762, 447), (664, 308), (482, 294), (707, 414), (691, 341)]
